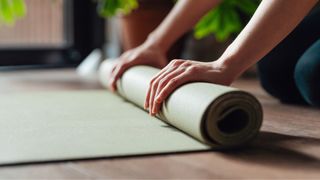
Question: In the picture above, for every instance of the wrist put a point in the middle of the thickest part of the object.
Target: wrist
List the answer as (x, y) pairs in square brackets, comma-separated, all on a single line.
[(158, 42), (231, 66)]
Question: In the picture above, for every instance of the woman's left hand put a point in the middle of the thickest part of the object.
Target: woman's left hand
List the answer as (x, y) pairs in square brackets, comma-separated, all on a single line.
[(179, 72)]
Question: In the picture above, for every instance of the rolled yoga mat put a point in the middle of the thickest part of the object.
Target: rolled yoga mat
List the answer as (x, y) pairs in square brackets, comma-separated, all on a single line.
[(216, 115), (82, 124)]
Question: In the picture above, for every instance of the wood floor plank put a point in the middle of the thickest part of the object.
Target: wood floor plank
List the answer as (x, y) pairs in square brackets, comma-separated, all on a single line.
[(287, 147), (42, 171)]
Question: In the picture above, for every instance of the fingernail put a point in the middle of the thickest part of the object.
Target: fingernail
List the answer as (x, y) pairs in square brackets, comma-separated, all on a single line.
[(158, 100), (153, 110)]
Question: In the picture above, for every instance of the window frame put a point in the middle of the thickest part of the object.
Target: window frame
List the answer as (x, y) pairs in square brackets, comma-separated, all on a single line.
[(85, 31)]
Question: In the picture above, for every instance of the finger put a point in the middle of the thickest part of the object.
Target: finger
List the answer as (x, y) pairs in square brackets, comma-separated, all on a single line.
[(117, 73), (114, 67), (163, 82), (119, 61), (146, 103), (173, 84), (155, 87), (171, 65), (111, 77), (112, 81)]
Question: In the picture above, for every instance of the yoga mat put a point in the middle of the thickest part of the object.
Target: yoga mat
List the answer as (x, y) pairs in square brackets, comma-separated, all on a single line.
[(219, 116), (68, 125), (54, 126)]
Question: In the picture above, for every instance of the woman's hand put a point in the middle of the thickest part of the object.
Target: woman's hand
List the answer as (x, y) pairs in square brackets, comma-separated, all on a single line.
[(145, 54), (182, 18), (179, 72)]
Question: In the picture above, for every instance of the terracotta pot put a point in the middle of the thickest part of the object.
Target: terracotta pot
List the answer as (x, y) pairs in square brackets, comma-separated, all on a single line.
[(136, 26)]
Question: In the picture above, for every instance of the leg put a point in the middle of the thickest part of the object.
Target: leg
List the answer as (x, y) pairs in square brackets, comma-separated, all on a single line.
[(307, 75), (276, 70)]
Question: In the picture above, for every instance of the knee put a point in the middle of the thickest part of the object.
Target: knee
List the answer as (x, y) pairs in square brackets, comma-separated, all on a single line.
[(307, 77), (273, 79), (267, 82)]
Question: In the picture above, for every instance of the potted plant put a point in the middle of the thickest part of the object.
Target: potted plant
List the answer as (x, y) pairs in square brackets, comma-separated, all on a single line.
[(139, 17), (223, 21)]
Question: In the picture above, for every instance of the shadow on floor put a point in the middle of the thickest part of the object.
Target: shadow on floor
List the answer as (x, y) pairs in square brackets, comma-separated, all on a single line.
[(279, 150)]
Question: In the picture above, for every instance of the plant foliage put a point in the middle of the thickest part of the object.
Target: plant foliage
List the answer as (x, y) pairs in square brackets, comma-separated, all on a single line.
[(222, 21), (225, 20), (11, 10), (108, 8)]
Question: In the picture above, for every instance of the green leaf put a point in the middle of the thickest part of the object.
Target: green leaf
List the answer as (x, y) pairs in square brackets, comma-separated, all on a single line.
[(6, 13), (248, 6), (11, 10), (223, 31), (108, 8), (233, 20), (224, 20), (19, 8), (208, 24)]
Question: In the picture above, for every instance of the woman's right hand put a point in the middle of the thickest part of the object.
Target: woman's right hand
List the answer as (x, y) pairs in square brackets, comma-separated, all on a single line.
[(144, 54)]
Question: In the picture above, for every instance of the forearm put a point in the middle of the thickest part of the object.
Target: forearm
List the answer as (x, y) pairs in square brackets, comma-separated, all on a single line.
[(272, 22), (181, 19)]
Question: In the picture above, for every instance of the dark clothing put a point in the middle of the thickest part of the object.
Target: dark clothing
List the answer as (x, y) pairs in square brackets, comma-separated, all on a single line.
[(291, 71)]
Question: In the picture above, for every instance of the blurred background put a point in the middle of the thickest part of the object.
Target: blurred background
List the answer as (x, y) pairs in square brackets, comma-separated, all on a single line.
[(43, 26), (62, 33), (49, 33)]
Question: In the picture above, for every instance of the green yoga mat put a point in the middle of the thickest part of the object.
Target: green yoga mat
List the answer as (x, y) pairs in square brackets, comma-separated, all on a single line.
[(54, 126)]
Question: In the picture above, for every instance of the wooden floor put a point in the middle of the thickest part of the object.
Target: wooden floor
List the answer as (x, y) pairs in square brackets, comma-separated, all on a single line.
[(287, 147)]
